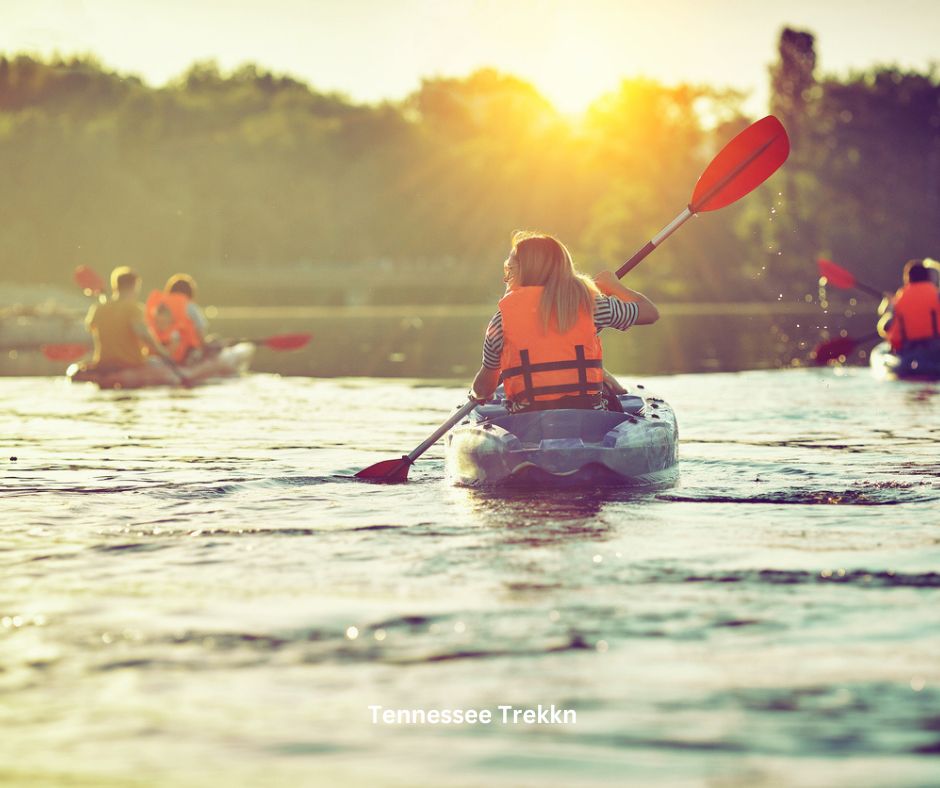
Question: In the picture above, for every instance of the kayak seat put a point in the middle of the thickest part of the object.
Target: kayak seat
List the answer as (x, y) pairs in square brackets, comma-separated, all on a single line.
[(631, 404), (588, 426)]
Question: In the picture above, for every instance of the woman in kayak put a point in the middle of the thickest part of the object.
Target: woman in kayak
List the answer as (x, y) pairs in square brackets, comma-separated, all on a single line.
[(542, 342)]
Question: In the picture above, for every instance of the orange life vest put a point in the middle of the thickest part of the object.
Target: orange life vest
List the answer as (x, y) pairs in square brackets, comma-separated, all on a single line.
[(177, 303), (916, 314), (541, 366)]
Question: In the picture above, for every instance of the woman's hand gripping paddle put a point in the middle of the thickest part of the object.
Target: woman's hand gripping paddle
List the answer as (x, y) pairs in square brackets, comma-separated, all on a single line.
[(739, 168)]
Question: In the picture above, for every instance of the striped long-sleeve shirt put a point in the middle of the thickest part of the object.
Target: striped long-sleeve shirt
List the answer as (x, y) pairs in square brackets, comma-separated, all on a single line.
[(609, 312)]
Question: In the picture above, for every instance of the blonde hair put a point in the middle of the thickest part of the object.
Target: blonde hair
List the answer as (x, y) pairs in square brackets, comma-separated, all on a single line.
[(545, 262)]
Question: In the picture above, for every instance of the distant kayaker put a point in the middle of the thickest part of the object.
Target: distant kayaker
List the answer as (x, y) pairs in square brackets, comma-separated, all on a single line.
[(914, 315), (120, 333), (543, 339), (188, 326)]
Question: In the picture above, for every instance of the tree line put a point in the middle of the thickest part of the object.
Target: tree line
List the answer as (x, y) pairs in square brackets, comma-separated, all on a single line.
[(255, 172)]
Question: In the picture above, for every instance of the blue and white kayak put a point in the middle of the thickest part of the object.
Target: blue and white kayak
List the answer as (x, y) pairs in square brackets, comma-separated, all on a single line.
[(556, 448), (919, 362)]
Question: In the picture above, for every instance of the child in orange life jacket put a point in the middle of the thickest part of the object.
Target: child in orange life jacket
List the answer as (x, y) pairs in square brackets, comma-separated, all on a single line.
[(164, 328), (915, 310), (542, 342), (195, 325), (188, 320)]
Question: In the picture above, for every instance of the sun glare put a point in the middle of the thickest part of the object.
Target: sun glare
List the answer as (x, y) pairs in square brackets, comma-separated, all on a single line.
[(570, 95), (570, 74)]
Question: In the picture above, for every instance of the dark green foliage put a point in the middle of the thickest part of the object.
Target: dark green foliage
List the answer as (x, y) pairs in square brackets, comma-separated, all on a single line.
[(862, 186), (308, 194)]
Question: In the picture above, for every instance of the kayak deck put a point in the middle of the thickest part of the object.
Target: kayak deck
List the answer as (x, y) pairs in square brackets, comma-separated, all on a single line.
[(229, 362), (566, 447)]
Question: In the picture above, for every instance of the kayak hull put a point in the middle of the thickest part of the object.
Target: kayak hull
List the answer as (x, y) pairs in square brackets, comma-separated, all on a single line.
[(921, 362), (230, 362), (562, 448)]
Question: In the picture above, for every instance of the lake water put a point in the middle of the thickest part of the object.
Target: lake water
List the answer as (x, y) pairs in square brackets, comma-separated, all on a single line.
[(192, 592), (444, 340)]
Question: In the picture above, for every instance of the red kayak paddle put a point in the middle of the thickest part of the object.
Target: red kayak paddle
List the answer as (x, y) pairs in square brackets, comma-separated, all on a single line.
[(842, 278), (740, 167)]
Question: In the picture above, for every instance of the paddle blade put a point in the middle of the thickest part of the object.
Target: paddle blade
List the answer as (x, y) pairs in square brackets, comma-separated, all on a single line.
[(88, 280), (833, 350), (742, 165), (389, 471), (287, 341), (835, 275), (66, 352)]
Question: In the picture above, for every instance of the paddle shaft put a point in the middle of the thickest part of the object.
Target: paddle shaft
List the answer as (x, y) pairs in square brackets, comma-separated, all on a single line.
[(185, 380), (843, 279), (33, 346), (435, 436), (655, 241), (276, 342), (872, 291)]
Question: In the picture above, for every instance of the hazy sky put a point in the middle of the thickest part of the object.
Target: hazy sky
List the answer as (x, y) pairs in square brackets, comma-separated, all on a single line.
[(572, 50)]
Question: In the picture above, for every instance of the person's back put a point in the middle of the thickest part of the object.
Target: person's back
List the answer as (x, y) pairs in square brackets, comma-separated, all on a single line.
[(541, 366), (915, 315), (115, 326)]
